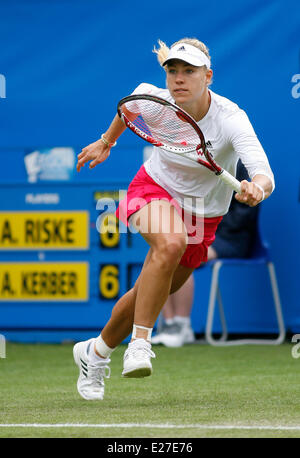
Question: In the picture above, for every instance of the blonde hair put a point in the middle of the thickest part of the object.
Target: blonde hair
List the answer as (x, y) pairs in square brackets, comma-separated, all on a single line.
[(163, 51)]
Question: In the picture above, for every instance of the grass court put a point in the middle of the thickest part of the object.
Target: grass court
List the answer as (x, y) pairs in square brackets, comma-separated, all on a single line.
[(195, 391)]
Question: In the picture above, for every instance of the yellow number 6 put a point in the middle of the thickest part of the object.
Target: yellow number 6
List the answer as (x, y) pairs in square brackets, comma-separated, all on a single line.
[(109, 281)]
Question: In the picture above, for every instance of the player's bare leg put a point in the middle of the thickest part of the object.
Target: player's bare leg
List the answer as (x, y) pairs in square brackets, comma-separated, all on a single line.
[(142, 304), (139, 308), (163, 229)]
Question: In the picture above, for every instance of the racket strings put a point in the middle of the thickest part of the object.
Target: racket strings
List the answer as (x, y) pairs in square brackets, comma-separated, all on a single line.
[(163, 123)]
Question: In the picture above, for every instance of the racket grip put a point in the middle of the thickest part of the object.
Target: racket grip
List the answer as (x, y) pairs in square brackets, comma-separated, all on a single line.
[(231, 181)]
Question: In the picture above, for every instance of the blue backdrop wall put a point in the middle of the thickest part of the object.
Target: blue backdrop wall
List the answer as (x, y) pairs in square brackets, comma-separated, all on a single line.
[(65, 64)]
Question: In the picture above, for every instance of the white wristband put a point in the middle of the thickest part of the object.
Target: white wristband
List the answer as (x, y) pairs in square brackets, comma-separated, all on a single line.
[(262, 189)]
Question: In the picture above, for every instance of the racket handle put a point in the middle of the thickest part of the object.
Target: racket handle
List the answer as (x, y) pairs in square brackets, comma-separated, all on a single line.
[(231, 181)]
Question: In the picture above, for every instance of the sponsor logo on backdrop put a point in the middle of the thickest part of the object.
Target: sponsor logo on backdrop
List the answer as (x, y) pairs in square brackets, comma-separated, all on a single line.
[(44, 281), (50, 164), (39, 230)]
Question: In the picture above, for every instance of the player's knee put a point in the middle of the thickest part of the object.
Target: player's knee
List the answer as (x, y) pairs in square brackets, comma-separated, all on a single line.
[(169, 252)]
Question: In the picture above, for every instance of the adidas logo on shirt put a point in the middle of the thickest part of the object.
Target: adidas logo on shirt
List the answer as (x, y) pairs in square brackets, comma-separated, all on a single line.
[(182, 48), (208, 144)]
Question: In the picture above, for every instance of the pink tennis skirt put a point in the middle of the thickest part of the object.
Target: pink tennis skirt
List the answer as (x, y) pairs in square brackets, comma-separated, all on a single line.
[(201, 231)]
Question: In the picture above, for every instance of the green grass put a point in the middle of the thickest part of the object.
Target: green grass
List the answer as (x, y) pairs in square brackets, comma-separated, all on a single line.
[(193, 385)]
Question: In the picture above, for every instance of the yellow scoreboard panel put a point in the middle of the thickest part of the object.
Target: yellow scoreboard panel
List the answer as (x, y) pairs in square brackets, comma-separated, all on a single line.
[(57, 230), (44, 281)]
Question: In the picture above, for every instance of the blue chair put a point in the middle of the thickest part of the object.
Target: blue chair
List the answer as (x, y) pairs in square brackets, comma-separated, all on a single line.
[(260, 255)]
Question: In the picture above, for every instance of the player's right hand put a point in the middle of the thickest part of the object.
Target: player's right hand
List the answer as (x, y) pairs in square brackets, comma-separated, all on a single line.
[(96, 152), (250, 194)]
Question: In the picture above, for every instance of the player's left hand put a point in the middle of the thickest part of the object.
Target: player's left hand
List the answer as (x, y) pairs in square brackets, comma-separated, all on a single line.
[(251, 194)]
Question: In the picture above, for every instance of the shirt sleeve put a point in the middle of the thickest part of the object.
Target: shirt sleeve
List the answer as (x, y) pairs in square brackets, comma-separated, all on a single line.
[(144, 88), (247, 146), (140, 106)]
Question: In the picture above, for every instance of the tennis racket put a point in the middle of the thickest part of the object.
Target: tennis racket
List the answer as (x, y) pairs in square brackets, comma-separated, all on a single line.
[(166, 125)]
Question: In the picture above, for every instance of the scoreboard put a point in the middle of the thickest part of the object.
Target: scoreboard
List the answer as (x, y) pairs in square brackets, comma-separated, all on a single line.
[(64, 259)]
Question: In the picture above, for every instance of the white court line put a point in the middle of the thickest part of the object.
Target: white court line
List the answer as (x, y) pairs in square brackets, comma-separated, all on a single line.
[(147, 425)]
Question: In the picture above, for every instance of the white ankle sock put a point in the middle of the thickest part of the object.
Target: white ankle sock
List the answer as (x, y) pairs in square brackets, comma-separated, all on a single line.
[(104, 350), (93, 357)]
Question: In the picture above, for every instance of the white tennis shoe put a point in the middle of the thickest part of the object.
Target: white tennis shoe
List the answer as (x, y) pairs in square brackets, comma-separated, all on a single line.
[(137, 359), (90, 383)]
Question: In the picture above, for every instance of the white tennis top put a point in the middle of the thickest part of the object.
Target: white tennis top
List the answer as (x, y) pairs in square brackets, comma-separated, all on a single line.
[(229, 136)]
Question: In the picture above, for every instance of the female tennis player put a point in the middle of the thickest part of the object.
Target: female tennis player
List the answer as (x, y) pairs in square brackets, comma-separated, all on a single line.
[(168, 188)]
